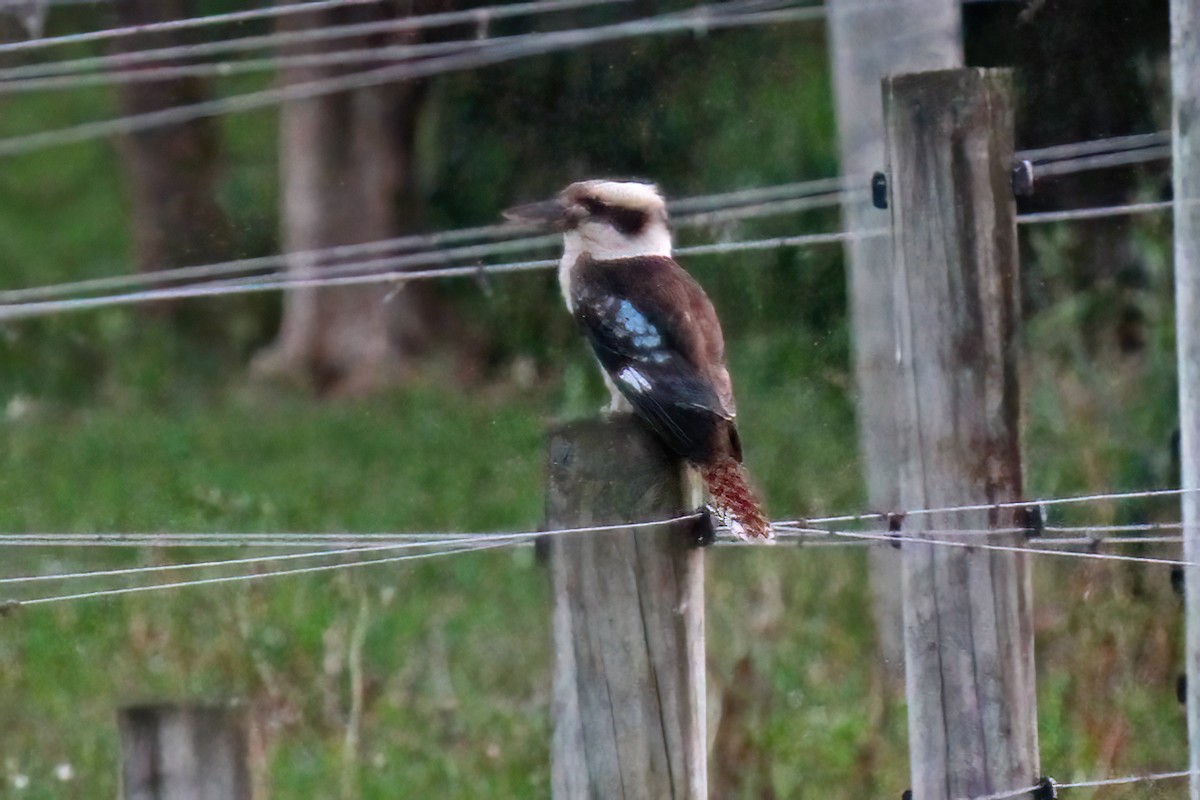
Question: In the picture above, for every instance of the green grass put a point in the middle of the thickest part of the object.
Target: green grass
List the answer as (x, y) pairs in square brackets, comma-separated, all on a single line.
[(133, 427), (456, 652), (392, 465)]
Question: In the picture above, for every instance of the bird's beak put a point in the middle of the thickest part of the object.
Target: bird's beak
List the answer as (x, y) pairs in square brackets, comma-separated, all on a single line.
[(550, 214)]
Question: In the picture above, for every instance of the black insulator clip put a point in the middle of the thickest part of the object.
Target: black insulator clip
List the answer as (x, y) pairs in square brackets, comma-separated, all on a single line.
[(1177, 580), (906, 794), (1181, 688), (702, 531), (895, 524), (1031, 521), (1022, 178), (879, 190), (1046, 789)]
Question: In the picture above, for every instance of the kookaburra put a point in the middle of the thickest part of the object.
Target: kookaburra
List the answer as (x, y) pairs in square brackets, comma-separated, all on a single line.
[(653, 330)]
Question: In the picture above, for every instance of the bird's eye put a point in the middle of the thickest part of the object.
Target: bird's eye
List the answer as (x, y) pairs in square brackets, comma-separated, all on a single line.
[(593, 206), (629, 221)]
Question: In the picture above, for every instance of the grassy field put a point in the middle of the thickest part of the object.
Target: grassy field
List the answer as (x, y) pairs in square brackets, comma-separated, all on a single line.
[(453, 655), (111, 423)]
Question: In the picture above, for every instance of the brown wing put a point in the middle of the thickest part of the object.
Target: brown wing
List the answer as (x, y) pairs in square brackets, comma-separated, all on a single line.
[(656, 333)]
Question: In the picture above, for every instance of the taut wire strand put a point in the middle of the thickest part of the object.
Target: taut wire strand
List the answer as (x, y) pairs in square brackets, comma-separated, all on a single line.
[(234, 562), (61, 75), (1156, 776), (417, 541), (444, 547), (470, 253), (42, 308), (433, 255), (1062, 536), (1095, 212), (1122, 158), (1003, 548), (700, 18), (444, 19), (1028, 790), (253, 576), (1049, 501), (430, 242), (697, 211), (1111, 144)]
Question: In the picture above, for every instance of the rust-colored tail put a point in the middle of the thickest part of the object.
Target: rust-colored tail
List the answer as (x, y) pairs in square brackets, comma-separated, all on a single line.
[(733, 501)]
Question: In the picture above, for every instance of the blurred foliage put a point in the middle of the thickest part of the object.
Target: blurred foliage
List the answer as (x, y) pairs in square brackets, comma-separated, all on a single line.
[(123, 420), (673, 108)]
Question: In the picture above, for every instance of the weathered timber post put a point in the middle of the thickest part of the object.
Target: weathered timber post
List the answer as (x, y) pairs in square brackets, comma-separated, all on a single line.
[(967, 612), (183, 752), (1185, 130), (629, 700), (868, 41)]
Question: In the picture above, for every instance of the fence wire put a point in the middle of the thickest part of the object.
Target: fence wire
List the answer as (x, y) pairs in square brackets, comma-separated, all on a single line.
[(394, 270), (445, 19), (699, 19), (146, 66), (1029, 791), (340, 545), (1052, 161), (26, 302), (383, 275), (433, 548), (1140, 494), (701, 211), (1083, 535), (11, 605), (454, 544)]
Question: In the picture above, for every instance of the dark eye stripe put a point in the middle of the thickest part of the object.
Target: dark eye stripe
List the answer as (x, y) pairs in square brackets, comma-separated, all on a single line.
[(626, 220)]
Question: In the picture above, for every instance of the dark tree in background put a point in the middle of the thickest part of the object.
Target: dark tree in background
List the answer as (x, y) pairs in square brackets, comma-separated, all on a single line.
[(172, 173), (347, 164), (28, 15), (1085, 69), (695, 113)]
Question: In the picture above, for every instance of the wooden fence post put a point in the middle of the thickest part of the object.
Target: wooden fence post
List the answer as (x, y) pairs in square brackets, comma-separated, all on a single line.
[(1185, 130), (968, 630), (866, 42), (183, 752), (629, 687)]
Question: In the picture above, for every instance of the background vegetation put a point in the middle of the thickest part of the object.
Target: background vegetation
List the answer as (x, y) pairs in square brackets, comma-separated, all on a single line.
[(121, 421)]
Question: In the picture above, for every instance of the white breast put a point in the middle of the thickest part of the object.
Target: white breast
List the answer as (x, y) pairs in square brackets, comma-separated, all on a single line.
[(602, 243), (566, 267)]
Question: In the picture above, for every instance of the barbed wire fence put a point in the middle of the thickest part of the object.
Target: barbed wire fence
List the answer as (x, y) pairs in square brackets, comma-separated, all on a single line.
[(461, 253)]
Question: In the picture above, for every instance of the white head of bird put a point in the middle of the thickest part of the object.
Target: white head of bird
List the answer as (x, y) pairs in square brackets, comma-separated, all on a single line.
[(604, 219)]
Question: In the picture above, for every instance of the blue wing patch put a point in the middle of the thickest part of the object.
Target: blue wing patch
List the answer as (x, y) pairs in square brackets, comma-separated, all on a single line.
[(635, 346)]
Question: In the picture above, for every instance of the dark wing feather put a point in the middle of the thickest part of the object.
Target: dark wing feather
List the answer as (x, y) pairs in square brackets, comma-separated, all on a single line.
[(656, 334)]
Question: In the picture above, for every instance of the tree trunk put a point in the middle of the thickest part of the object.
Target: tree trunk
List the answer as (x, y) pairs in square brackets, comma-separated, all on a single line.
[(346, 162), (172, 173)]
